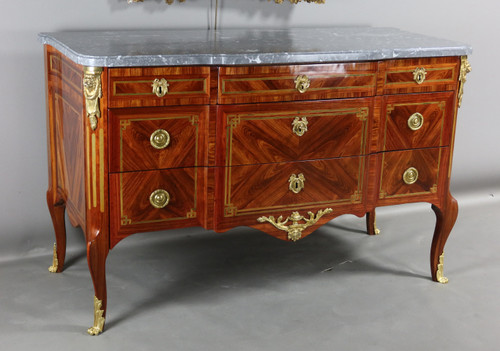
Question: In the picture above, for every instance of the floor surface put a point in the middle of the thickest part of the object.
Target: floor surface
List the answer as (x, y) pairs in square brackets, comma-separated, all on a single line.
[(338, 289)]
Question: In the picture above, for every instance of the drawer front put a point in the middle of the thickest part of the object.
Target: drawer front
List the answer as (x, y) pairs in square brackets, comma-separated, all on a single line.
[(417, 121), (152, 200), (258, 189), (250, 84), (419, 75), (414, 173), (158, 86), (152, 138), (268, 133)]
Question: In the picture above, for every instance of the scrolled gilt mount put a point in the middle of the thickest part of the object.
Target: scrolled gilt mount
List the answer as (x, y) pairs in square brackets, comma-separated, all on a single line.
[(465, 68), (92, 89), (295, 229)]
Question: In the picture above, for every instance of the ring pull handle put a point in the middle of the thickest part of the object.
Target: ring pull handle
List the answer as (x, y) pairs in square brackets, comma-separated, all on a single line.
[(302, 83), (415, 121), (410, 176), (296, 183), (299, 126), (160, 139), (160, 87), (159, 198), (419, 75)]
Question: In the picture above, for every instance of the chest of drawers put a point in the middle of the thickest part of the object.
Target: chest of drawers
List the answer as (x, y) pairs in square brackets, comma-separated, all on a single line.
[(203, 134)]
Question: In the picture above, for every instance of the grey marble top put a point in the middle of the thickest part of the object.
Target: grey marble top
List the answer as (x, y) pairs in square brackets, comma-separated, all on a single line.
[(246, 46)]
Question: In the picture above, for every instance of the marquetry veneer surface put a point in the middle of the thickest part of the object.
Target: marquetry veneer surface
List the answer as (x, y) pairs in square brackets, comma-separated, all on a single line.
[(281, 148)]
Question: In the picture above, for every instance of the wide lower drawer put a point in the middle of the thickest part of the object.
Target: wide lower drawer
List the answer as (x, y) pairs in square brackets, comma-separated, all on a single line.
[(159, 86), (417, 121), (157, 138), (250, 84), (266, 188), (417, 174), (267, 133), (153, 200), (419, 75)]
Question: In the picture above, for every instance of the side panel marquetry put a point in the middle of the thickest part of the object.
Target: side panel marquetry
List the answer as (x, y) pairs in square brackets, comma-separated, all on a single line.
[(65, 132)]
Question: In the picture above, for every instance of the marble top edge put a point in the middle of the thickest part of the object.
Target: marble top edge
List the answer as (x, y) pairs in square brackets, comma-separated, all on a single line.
[(246, 46)]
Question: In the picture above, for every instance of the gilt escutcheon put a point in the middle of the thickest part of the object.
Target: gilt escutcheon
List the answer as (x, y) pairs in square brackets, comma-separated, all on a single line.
[(302, 83), (299, 126), (296, 183), (160, 87), (419, 75)]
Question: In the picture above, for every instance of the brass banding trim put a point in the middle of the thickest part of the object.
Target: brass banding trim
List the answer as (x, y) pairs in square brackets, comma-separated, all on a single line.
[(333, 87), (170, 81)]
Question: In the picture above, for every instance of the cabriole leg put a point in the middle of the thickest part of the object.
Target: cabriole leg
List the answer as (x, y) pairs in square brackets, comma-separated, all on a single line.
[(57, 209), (446, 215), (97, 251), (371, 223)]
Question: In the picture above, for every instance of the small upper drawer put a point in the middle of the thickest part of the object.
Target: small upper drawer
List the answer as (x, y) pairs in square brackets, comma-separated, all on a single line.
[(156, 138), (267, 133), (418, 75), (417, 121), (249, 84), (158, 86)]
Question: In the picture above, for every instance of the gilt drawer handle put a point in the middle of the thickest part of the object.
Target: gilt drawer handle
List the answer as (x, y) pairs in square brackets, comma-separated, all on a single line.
[(415, 121), (160, 139), (159, 198), (296, 183), (410, 176), (299, 126), (295, 229), (302, 83), (160, 87), (419, 75)]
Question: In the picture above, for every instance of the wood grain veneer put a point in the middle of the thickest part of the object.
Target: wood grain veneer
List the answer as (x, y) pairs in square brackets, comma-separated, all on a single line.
[(232, 147)]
